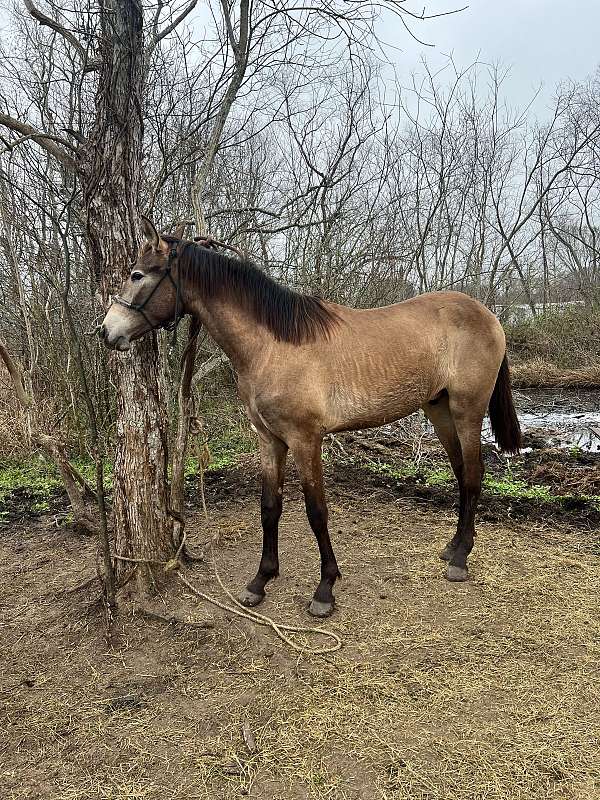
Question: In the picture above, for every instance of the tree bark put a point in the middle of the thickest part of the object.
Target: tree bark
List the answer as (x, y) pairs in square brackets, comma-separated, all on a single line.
[(111, 179)]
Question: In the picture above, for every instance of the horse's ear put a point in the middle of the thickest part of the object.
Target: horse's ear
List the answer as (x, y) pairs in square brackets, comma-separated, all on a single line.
[(152, 236), (150, 232)]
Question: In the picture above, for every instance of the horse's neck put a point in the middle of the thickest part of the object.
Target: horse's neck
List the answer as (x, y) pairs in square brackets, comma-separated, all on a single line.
[(233, 329)]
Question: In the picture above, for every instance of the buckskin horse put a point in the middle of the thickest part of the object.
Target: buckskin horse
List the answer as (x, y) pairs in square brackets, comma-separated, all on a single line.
[(307, 367)]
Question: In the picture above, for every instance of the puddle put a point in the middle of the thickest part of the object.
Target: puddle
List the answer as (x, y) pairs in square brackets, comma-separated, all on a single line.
[(553, 418), (559, 417)]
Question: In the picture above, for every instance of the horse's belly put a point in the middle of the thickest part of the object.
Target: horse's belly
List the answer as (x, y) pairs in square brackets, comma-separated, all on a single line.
[(351, 410)]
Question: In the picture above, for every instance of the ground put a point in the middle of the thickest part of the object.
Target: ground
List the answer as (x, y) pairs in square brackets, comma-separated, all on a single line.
[(482, 690)]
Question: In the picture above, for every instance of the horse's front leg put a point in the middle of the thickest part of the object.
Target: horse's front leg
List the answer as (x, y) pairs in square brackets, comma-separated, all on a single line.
[(307, 455), (273, 453)]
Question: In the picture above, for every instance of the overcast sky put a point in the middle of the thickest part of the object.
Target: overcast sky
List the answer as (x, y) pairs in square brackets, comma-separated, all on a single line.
[(544, 41)]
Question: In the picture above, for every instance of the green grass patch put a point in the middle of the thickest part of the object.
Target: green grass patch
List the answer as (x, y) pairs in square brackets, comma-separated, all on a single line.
[(34, 481), (438, 477), (425, 473), (404, 470), (87, 469), (510, 484), (225, 449)]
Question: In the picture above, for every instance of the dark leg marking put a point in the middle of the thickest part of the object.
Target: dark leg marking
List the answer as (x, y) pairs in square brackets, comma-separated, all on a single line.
[(273, 455), (307, 455), (323, 602), (468, 428), (441, 419)]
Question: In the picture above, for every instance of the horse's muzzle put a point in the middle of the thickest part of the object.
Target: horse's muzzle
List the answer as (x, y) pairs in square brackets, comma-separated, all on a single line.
[(114, 342)]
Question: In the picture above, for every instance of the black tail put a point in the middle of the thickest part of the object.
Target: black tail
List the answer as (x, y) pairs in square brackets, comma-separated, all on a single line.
[(505, 425)]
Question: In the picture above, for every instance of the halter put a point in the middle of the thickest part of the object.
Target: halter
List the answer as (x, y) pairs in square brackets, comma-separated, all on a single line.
[(139, 307)]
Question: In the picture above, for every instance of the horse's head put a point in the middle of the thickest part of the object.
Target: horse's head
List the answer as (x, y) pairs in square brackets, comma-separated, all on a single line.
[(149, 298)]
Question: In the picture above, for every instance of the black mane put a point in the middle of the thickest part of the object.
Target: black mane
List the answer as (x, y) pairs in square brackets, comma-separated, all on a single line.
[(289, 316)]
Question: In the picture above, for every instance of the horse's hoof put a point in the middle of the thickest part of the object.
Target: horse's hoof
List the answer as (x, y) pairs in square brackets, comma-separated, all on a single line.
[(317, 608), (457, 573), (250, 599), (447, 553)]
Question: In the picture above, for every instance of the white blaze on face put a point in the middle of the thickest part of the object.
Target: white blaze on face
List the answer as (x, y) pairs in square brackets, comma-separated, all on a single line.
[(119, 327)]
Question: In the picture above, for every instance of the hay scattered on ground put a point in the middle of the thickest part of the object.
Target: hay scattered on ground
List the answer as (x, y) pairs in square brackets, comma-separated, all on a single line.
[(540, 374), (484, 690)]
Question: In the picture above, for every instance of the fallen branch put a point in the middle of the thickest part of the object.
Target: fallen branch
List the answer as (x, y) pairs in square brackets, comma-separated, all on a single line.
[(542, 374), (56, 451)]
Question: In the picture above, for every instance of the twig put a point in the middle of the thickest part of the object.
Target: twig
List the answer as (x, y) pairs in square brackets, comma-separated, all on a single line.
[(248, 737)]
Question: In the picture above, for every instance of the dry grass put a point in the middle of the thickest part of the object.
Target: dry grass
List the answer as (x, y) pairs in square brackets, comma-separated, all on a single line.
[(485, 690), (538, 373), (568, 339)]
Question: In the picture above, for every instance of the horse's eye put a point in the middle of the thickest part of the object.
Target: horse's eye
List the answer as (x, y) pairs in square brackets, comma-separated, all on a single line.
[(137, 276)]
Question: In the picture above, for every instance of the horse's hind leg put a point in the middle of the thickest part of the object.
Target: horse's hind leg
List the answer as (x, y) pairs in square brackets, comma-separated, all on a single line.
[(307, 455), (273, 454), (438, 413), (467, 418)]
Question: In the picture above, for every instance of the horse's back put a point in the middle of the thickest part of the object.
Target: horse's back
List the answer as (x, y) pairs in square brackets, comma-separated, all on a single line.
[(382, 364), (437, 324), (429, 311), (388, 362)]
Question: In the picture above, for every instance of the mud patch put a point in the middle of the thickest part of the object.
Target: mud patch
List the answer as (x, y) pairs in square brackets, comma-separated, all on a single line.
[(539, 484)]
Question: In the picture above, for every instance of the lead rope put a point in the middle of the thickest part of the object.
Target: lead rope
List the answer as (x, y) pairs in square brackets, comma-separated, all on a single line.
[(176, 317), (242, 611), (261, 619)]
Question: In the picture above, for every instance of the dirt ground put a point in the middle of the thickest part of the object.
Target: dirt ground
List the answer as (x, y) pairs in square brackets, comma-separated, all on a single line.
[(483, 690)]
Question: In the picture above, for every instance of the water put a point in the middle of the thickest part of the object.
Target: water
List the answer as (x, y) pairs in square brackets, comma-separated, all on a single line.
[(560, 417)]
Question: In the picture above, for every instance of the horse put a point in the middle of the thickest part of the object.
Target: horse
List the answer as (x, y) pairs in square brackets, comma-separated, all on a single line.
[(307, 367)]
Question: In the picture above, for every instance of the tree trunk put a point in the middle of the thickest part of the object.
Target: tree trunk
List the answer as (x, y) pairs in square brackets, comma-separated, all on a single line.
[(140, 499), (111, 179)]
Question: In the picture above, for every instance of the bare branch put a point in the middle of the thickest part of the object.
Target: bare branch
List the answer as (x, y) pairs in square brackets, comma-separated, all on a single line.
[(48, 141), (171, 26), (48, 22), (211, 364)]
